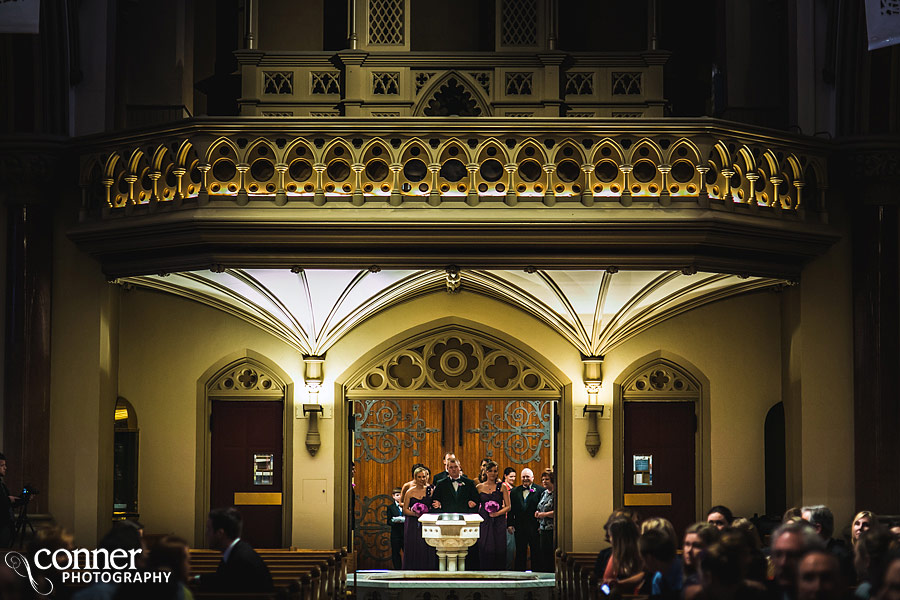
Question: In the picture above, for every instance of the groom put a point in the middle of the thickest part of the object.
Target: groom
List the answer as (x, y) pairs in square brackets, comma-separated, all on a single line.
[(457, 494)]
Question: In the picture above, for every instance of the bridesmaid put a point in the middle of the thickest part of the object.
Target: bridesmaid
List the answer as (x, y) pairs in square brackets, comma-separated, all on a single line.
[(494, 505), (417, 555)]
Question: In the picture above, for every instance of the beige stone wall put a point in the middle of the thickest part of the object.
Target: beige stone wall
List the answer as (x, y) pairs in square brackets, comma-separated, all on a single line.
[(83, 385), (167, 343)]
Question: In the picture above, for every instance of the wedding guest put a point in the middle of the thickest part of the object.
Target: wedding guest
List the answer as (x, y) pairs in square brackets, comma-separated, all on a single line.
[(697, 538), (789, 543), (670, 580), (723, 567), (758, 568), (657, 548), (873, 553), (605, 553), (509, 482), (792, 514), (819, 577), (720, 516), (624, 569), (494, 504), (863, 520), (169, 555), (890, 587), (524, 499), (545, 513), (123, 536), (822, 520)]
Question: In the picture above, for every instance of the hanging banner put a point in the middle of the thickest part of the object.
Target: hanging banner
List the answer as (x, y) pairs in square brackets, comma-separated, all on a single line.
[(883, 22), (20, 16)]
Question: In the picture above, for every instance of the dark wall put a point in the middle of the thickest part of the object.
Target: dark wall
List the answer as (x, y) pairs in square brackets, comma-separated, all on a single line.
[(609, 26), (461, 25), (688, 73), (290, 25)]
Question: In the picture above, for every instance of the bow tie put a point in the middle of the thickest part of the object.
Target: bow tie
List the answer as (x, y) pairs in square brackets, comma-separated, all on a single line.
[(529, 489), (454, 480)]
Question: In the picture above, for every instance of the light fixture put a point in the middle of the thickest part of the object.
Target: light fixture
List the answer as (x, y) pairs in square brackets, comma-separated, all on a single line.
[(313, 374), (313, 439), (593, 378)]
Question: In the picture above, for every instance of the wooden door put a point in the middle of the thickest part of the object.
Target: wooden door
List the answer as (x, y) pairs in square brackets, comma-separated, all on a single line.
[(659, 475), (246, 466), (390, 435)]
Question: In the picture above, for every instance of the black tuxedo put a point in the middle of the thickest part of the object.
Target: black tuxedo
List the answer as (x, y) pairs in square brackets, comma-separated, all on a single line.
[(393, 510), (456, 501), (244, 571), (521, 517)]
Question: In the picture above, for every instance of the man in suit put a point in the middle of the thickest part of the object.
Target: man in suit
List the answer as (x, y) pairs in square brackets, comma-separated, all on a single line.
[(456, 493), (7, 503), (444, 474), (396, 520), (524, 500), (241, 569)]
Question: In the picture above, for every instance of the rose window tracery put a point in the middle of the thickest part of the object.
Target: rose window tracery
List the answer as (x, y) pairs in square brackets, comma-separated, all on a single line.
[(453, 361)]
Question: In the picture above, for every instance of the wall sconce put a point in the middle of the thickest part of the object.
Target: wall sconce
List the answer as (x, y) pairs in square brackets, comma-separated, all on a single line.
[(593, 377), (313, 374), (313, 440), (592, 439)]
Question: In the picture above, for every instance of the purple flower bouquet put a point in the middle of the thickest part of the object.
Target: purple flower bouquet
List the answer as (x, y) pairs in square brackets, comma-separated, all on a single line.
[(419, 508), (491, 506)]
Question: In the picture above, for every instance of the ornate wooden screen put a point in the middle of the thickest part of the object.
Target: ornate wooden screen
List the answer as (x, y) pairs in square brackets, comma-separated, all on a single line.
[(452, 391)]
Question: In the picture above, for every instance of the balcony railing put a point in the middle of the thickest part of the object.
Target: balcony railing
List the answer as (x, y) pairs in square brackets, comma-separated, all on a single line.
[(508, 164)]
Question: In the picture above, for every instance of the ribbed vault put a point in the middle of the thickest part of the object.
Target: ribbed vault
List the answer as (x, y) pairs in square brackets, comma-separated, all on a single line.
[(312, 309)]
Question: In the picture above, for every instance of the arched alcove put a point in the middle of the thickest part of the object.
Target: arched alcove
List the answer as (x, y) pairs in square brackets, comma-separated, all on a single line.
[(661, 422), (448, 388), (250, 387)]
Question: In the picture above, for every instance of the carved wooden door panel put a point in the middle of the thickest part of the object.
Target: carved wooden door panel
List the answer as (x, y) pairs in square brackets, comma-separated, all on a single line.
[(389, 436)]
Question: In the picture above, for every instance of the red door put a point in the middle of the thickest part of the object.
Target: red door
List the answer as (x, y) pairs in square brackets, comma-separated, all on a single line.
[(659, 461), (246, 466)]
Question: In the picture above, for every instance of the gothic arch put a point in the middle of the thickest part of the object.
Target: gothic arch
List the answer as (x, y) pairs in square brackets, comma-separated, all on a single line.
[(414, 364), (246, 375), (664, 376), (452, 94)]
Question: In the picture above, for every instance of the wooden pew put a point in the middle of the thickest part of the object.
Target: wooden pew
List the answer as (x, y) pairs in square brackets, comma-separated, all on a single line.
[(306, 574)]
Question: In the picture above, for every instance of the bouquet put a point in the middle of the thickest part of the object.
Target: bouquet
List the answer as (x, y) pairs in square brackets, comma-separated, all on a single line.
[(491, 506), (419, 508)]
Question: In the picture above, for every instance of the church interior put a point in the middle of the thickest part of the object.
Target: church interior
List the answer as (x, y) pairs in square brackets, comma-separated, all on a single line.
[(273, 254)]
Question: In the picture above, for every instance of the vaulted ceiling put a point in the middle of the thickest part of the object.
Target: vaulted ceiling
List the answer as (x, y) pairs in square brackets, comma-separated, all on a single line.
[(312, 309)]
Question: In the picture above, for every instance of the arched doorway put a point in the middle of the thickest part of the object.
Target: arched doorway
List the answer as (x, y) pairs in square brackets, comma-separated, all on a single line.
[(448, 390), (661, 414), (245, 434)]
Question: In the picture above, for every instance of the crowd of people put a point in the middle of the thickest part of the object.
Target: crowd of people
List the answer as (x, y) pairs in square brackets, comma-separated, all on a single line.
[(241, 569), (517, 531), (724, 558)]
